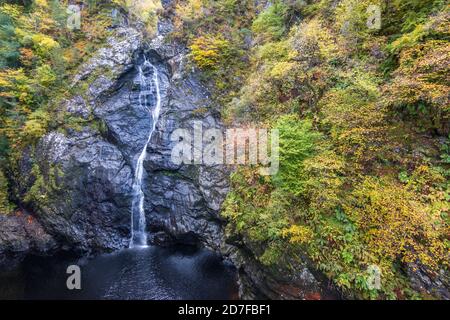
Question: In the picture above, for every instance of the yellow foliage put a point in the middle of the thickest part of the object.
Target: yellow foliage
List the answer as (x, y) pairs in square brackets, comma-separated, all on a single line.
[(396, 224), (356, 121), (14, 84), (312, 41), (12, 10), (45, 76), (422, 78), (281, 70), (41, 3), (297, 234), (32, 131), (44, 44), (209, 52), (189, 10)]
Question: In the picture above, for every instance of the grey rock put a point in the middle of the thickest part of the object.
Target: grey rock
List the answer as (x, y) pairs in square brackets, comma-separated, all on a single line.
[(435, 284), (21, 234), (116, 57), (77, 106), (88, 207)]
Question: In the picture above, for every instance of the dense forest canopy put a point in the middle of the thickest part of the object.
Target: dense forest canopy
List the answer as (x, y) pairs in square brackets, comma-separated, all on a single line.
[(358, 89)]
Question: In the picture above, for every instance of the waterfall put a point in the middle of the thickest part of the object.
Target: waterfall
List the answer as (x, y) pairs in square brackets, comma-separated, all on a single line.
[(148, 91)]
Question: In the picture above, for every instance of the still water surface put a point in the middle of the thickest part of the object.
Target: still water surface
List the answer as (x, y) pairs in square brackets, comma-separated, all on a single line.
[(140, 273)]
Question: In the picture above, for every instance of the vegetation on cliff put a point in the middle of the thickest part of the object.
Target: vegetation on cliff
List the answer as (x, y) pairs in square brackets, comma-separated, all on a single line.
[(43, 42), (363, 114), (40, 51)]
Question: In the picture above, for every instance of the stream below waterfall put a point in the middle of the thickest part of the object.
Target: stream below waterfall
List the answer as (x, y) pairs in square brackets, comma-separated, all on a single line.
[(151, 273)]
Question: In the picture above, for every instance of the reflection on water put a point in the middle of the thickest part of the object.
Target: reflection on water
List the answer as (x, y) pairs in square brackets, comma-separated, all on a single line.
[(140, 273)]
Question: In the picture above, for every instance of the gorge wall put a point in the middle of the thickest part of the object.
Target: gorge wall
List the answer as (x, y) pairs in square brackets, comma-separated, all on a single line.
[(89, 207), (77, 183)]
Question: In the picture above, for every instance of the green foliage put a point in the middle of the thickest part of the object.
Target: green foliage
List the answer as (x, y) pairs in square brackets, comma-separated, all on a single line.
[(298, 142), (5, 206), (363, 174), (436, 27), (47, 182), (270, 24), (410, 14), (9, 45)]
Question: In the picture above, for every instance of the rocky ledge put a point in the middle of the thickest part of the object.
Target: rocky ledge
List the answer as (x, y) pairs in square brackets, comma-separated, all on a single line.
[(21, 234)]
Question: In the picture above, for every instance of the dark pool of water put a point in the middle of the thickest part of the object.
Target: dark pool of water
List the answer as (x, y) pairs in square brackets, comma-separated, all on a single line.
[(152, 273)]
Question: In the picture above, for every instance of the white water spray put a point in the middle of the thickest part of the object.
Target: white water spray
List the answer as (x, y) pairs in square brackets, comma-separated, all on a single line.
[(149, 88)]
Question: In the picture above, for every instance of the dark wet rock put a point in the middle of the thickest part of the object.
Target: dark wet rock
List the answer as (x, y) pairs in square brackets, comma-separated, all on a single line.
[(184, 200), (295, 280), (89, 206), (91, 172), (213, 185), (433, 284), (21, 234)]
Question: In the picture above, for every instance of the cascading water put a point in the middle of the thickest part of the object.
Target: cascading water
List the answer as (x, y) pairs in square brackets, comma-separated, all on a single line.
[(149, 91)]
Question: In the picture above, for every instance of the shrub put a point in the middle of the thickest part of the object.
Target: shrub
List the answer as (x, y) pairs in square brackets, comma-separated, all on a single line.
[(270, 25), (5, 206), (356, 120), (209, 52), (9, 44), (45, 76), (298, 142), (419, 89), (44, 44), (404, 16), (397, 225), (313, 43), (146, 11)]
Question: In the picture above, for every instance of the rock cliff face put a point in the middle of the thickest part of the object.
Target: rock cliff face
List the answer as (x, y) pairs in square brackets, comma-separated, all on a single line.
[(90, 170), (87, 174), (21, 234)]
